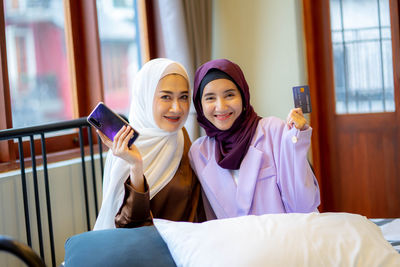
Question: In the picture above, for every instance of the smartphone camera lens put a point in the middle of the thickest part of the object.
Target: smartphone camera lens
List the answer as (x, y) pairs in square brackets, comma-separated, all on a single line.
[(95, 122)]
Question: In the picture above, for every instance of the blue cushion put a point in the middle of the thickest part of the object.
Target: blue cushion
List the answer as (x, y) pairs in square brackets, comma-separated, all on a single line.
[(141, 246)]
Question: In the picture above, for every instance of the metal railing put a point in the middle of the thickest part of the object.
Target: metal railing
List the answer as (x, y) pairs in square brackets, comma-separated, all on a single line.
[(41, 130)]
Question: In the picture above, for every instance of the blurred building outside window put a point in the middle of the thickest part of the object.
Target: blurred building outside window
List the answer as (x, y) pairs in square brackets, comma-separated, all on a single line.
[(37, 62), (120, 50)]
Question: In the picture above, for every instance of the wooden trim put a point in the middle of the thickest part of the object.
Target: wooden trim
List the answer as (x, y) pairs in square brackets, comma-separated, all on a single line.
[(56, 143), (70, 56), (143, 30), (320, 76), (85, 54), (366, 122), (7, 153), (395, 22), (151, 29), (51, 158)]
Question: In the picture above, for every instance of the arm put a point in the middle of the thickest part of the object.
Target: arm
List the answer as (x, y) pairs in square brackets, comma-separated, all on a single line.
[(198, 162), (131, 155), (135, 208), (296, 181)]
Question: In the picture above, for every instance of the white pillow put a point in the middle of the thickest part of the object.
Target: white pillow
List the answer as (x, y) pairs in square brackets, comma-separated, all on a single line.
[(314, 239)]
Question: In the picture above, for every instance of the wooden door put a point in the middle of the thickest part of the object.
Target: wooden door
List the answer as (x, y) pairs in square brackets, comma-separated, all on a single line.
[(356, 151)]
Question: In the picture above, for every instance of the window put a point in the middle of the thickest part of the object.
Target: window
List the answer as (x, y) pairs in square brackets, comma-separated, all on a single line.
[(362, 50), (37, 62), (51, 69), (119, 41)]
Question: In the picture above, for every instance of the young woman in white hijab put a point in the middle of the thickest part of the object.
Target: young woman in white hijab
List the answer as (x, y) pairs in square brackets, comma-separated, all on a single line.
[(153, 177)]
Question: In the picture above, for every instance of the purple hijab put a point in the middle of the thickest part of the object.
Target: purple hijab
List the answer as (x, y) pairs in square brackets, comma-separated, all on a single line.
[(231, 144)]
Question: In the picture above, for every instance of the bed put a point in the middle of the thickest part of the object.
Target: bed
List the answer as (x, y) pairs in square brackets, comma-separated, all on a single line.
[(391, 231), (187, 244), (179, 243)]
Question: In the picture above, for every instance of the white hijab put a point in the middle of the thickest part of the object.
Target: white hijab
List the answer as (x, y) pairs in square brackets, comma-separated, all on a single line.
[(161, 150)]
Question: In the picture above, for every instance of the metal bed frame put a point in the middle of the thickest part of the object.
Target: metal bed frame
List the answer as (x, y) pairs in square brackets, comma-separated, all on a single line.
[(19, 133)]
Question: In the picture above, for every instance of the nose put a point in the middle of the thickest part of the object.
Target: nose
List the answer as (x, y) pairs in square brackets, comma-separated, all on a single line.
[(175, 107), (220, 105)]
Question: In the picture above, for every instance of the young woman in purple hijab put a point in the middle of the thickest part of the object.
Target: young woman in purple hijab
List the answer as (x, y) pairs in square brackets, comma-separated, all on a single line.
[(247, 164)]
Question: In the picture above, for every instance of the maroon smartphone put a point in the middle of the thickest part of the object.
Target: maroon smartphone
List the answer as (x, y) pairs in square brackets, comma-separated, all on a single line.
[(109, 122)]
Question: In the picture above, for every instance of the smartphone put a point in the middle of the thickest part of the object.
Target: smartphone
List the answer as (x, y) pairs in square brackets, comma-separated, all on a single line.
[(109, 122)]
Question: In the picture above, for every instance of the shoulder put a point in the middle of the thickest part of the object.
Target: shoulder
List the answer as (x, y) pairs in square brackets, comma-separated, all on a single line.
[(187, 142), (202, 148), (268, 127), (271, 123), (203, 143), (186, 136)]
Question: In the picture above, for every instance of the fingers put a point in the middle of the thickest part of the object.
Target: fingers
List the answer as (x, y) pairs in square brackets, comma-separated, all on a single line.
[(119, 146), (123, 142), (128, 137), (289, 122), (124, 135), (289, 119), (298, 111), (296, 119), (120, 132), (299, 121), (105, 139)]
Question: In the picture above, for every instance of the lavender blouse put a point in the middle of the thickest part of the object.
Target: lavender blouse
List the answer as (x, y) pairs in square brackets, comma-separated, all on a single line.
[(274, 176)]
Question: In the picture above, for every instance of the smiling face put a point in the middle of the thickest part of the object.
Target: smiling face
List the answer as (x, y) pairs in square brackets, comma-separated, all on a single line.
[(171, 102), (222, 103)]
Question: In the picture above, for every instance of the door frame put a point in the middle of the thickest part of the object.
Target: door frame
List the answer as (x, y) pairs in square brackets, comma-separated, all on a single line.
[(319, 54)]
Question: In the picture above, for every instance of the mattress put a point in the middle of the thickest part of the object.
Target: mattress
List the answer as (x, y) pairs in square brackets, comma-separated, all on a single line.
[(391, 231)]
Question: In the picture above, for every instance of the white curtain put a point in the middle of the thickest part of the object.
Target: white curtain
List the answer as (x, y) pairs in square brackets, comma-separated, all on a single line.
[(184, 28)]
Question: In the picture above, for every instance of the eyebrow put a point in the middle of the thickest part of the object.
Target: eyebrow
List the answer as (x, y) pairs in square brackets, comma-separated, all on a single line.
[(170, 92), (226, 91)]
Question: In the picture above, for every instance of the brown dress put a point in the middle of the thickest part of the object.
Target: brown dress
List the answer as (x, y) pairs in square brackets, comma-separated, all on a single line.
[(179, 200)]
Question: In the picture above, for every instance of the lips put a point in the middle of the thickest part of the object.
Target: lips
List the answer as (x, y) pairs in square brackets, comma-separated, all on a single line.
[(172, 118), (223, 117)]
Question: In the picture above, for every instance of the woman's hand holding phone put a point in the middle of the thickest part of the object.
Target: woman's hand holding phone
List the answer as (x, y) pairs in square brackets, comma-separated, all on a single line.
[(130, 154)]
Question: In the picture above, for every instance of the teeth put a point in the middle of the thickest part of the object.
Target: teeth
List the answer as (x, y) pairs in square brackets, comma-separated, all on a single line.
[(172, 118), (223, 115)]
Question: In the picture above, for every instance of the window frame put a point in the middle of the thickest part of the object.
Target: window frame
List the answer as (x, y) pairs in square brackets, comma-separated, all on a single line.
[(85, 69)]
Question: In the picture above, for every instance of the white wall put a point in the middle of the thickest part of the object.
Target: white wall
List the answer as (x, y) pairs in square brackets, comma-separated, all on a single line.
[(265, 38)]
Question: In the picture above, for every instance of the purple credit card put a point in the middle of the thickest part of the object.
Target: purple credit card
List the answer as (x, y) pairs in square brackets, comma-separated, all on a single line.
[(302, 99), (108, 122)]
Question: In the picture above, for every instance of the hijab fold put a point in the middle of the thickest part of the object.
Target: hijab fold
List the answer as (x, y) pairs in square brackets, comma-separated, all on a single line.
[(161, 150), (232, 144)]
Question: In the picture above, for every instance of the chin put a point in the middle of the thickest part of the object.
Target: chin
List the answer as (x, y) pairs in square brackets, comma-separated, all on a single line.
[(171, 128), (223, 127)]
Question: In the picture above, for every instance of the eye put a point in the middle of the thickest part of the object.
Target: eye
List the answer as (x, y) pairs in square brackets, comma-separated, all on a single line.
[(230, 95), (184, 97), (165, 97), (209, 98)]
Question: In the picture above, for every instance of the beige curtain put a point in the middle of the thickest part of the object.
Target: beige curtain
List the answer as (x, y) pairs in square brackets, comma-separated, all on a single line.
[(183, 29)]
